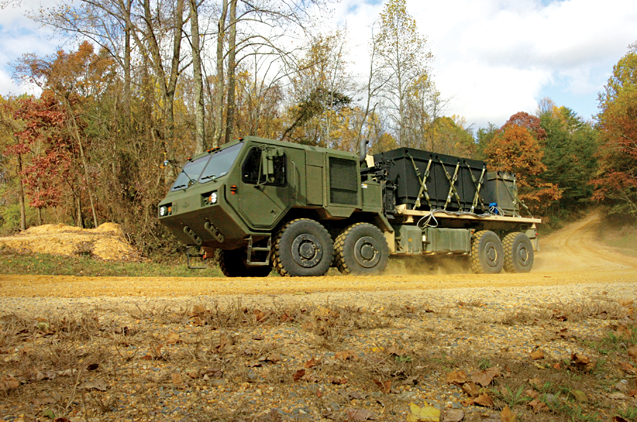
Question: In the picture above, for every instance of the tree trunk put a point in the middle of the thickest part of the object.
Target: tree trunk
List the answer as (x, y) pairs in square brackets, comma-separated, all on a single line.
[(127, 66), (220, 82), (79, 221), (196, 63), (232, 53), (23, 211)]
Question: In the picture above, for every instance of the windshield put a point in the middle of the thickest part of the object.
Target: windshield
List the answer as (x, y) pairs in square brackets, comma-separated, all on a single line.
[(190, 173), (220, 163)]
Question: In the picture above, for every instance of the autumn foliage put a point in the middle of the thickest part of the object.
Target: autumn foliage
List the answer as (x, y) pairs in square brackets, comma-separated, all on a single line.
[(513, 149), (617, 181)]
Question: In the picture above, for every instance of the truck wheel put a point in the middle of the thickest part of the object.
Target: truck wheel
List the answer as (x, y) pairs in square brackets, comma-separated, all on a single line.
[(303, 247), (487, 255), (518, 253), (232, 264), (361, 249)]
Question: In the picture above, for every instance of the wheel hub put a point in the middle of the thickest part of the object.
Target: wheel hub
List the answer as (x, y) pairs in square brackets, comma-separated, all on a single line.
[(491, 255), (306, 250), (366, 252), (523, 254)]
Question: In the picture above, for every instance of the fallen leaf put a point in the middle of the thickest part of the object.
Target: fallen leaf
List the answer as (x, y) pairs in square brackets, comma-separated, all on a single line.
[(633, 393), (557, 366), (97, 384), (485, 377), (632, 352), (579, 395), (273, 358), (178, 381), (457, 377), (172, 338), (311, 363), (298, 374), (483, 400), (423, 414), (384, 386), (193, 374), (506, 415), (617, 396), (338, 381), (344, 355), (627, 367), (470, 389), (538, 354), (395, 351), (535, 383), (453, 415), (360, 415), (259, 315), (623, 332), (532, 393), (8, 383), (581, 361), (537, 405)]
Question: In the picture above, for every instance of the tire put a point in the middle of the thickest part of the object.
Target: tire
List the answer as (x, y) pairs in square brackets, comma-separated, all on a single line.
[(232, 264), (487, 255), (361, 249), (518, 253), (302, 247)]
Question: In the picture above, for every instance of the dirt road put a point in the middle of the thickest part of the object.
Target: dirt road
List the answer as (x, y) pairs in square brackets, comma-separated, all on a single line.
[(330, 348), (572, 255)]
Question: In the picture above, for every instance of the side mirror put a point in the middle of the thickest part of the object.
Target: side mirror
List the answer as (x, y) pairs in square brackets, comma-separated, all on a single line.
[(267, 163)]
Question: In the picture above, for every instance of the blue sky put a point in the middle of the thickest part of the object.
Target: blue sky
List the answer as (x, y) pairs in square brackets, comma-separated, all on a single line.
[(493, 58)]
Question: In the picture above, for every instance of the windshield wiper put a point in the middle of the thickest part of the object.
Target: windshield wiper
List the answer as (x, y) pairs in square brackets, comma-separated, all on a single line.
[(212, 176)]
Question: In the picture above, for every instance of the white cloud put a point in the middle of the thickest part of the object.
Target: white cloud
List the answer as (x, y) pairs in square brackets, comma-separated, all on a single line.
[(494, 58)]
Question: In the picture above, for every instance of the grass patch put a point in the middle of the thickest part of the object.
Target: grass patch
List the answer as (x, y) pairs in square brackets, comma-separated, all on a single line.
[(84, 264)]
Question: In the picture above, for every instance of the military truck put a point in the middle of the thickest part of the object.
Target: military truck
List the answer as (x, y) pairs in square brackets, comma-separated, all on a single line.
[(261, 204)]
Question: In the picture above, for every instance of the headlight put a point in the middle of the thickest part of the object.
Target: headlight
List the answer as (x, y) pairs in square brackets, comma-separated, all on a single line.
[(165, 210), (213, 197)]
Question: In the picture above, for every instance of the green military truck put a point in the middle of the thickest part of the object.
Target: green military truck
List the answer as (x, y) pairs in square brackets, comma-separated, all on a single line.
[(259, 204)]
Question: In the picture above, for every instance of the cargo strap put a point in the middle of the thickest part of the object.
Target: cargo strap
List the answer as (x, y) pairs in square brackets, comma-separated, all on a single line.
[(452, 185), (514, 194), (478, 186), (423, 182)]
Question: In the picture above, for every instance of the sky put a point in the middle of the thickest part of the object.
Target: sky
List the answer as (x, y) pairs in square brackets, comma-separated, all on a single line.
[(492, 58)]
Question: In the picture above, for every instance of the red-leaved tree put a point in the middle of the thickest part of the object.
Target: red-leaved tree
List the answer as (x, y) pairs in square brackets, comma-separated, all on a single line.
[(513, 149)]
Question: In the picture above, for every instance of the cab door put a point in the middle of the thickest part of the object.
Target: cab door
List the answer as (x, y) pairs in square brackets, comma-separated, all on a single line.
[(264, 194)]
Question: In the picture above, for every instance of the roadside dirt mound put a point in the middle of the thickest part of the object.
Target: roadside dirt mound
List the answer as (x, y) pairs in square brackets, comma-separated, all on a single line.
[(106, 241)]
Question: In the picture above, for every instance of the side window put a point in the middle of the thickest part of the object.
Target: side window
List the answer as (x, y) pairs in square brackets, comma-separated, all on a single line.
[(251, 165), (251, 169)]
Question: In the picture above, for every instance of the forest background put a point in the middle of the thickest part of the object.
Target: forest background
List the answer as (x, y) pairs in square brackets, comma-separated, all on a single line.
[(152, 83)]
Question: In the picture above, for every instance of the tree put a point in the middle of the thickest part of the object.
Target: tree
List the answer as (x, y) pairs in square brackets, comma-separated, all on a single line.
[(570, 149), (513, 149), (403, 57), (616, 185), (11, 146)]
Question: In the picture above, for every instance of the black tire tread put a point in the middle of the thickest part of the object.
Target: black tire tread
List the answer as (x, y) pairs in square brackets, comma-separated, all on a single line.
[(276, 256), (238, 269), (339, 248), (507, 244)]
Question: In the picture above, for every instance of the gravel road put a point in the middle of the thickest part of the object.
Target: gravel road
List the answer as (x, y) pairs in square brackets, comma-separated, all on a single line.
[(578, 286)]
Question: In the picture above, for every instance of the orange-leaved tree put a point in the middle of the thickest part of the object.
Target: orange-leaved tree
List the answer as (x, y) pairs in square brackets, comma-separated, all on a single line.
[(616, 185), (514, 149)]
